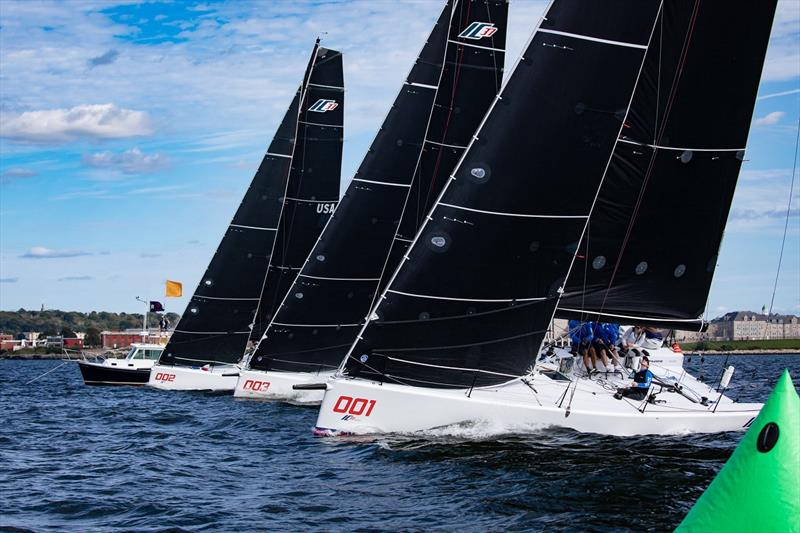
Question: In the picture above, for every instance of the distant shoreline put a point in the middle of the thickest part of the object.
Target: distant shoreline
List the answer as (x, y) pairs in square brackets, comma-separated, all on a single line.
[(57, 356)]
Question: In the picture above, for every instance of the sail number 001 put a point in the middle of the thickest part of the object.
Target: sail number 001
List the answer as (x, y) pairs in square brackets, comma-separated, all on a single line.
[(354, 406)]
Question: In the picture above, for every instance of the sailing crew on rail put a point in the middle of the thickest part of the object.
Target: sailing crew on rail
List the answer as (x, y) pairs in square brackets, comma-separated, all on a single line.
[(585, 350), (602, 343), (611, 338), (641, 383)]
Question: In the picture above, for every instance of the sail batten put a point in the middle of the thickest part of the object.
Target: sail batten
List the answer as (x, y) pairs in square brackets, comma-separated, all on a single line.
[(443, 99)]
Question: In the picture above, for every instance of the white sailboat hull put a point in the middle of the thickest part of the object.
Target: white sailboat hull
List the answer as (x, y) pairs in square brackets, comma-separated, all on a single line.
[(277, 386), (357, 406), (216, 378)]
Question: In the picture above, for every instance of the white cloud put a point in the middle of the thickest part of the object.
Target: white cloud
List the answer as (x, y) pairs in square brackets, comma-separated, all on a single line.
[(766, 174), (769, 119), (131, 161), (783, 56), (761, 200), (154, 190), (40, 252), (755, 214), (93, 121), (15, 173)]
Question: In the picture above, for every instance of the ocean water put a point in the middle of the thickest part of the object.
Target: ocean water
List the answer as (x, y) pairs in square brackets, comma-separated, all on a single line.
[(77, 458)]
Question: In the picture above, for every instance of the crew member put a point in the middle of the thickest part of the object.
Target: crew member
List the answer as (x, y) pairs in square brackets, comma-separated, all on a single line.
[(641, 383)]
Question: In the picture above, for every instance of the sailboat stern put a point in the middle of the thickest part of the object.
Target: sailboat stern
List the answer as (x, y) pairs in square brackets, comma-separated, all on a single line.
[(278, 386)]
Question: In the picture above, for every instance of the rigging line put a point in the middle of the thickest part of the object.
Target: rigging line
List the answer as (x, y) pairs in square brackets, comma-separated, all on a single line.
[(786, 224), (658, 79), (585, 268), (51, 370), (648, 174), (455, 368), (316, 349)]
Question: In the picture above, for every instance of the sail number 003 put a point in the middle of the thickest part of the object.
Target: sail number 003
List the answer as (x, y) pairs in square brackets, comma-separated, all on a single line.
[(354, 406)]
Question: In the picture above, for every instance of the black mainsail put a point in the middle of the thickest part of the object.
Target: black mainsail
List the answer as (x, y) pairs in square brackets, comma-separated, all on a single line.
[(277, 221), (472, 301), (650, 249), (425, 133)]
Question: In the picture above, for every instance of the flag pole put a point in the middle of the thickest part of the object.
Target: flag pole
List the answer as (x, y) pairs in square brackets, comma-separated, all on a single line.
[(144, 322)]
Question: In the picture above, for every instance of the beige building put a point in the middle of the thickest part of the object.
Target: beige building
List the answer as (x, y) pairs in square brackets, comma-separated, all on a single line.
[(746, 325)]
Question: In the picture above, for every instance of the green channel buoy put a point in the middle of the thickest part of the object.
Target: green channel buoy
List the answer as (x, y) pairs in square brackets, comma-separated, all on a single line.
[(758, 489)]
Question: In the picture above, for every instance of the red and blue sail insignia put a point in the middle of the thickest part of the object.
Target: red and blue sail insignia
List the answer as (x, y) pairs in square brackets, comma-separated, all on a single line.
[(323, 105), (478, 30)]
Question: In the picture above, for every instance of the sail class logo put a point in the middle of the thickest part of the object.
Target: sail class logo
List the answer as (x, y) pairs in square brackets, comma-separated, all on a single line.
[(478, 30), (322, 105)]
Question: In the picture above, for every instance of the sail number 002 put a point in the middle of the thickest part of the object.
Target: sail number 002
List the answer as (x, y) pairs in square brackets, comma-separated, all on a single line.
[(354, 406)]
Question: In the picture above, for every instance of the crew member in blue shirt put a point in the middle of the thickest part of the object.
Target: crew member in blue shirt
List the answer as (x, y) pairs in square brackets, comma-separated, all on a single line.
[(603, 345), (641, 383), (585, 349)]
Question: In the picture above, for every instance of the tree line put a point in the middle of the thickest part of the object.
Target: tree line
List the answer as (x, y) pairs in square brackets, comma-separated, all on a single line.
[(54, 322)]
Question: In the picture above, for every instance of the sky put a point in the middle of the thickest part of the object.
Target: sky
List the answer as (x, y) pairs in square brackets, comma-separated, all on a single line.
[(129, 132)]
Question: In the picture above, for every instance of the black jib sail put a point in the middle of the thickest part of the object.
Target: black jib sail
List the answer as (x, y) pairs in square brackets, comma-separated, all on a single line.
[(650, 249), (425, 133), (472, 301), (277, 221)]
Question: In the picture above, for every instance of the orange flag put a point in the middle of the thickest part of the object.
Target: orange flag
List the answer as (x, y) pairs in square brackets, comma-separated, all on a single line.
[(174, 288)]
